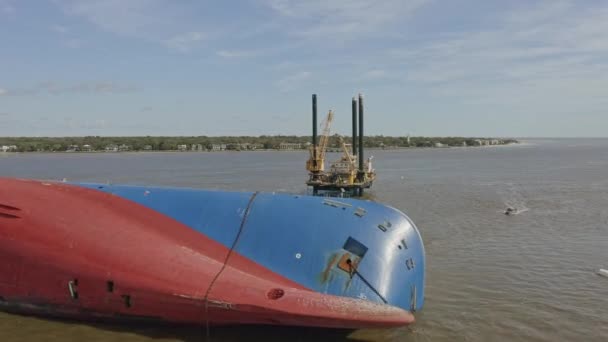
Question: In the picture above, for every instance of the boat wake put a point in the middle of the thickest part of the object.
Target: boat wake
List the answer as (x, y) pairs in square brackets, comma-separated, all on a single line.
[(514, 201)]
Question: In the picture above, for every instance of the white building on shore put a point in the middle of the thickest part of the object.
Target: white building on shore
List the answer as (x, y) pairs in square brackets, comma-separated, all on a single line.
[(290, 146), (218, 147), (6, 148)]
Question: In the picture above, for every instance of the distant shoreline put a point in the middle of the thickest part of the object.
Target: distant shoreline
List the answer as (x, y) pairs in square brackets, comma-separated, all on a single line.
[(258, 150), (97, 144)]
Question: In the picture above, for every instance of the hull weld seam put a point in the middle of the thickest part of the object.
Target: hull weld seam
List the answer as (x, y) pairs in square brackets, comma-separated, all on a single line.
[(236, 240)]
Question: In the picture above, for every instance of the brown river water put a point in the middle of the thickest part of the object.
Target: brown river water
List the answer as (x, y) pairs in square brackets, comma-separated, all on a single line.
[(490, 277)]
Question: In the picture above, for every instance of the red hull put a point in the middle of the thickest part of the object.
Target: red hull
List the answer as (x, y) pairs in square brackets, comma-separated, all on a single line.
[(71, 251)]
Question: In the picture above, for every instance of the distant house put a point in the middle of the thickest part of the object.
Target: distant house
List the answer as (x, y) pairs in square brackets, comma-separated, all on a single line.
[(197, 147), (182, 148), (438, 144), (148, 148), (218, 147), (290, 146), (73, 148), (111, 148), (87, 148)]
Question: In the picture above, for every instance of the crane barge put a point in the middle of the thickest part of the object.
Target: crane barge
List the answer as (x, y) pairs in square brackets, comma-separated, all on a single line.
[(343, 178)]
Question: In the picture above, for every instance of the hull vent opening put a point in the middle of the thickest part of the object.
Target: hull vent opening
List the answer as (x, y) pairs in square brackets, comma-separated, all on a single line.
[(127, 299), (73, 288)]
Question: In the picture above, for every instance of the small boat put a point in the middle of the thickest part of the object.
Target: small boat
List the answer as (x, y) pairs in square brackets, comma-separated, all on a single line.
[(191, 256)]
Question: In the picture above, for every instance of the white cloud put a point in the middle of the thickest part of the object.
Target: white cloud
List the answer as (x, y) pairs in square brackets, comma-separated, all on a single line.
[(284, 65), (6, 7), (343, 18), (74, 43), (185, 42), (237, 53), (170, 23), (550, 61), (70, 41), (552, 42), (59, 29), (116, 16), (100, 124), (54, 88), (293, 81), (375, 74)]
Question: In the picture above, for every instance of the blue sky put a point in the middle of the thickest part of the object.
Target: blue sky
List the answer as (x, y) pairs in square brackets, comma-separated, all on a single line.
[(249, 67)]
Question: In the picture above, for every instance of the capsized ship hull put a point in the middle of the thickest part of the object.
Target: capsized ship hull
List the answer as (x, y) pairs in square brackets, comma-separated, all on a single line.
[(190, 256)]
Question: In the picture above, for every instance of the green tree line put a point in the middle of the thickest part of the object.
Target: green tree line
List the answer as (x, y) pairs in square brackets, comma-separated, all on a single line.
[(166, 143)]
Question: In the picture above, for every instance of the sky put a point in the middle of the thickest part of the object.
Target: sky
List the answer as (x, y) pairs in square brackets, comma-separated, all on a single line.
[(518, 68)]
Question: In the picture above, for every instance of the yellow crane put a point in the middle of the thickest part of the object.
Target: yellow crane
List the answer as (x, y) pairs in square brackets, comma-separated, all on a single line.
[(316, 162)]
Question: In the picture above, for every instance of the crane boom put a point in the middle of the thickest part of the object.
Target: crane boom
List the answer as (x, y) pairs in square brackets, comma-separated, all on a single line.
[(316, 162), (325, 135)]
